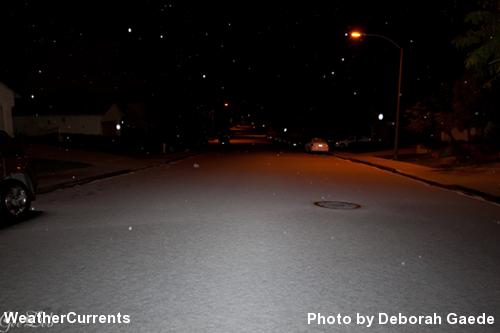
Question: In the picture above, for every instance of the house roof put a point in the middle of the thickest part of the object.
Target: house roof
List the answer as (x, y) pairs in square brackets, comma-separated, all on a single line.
[(5, 87)]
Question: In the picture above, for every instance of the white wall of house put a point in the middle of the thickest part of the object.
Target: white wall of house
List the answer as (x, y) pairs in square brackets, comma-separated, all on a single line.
[(7, 100), (67, 124)]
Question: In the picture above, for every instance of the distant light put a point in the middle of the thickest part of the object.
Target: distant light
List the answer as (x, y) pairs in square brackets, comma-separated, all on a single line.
[(285, 129), (342, 59), (380, 116), (161, 36), (129, 30), (118, 127), (204, 76), (356, 34), (226, 104), (32, 96)]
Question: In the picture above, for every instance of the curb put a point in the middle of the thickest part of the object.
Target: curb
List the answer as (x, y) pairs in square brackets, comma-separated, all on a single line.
[(86, 180), (456, 188)]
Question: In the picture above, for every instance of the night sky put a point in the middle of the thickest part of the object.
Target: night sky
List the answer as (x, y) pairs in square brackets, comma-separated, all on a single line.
[(288, 63)]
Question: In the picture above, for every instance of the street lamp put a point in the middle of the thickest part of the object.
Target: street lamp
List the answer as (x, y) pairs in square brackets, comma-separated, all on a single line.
[(357, 35)]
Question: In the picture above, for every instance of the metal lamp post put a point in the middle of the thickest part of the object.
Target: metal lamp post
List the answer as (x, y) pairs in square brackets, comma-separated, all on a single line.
[(358, 35)]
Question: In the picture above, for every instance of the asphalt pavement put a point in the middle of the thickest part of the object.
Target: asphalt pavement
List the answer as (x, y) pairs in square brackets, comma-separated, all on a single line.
[(232, 241)]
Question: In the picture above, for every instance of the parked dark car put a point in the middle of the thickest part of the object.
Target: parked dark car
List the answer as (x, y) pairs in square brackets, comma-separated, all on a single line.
[(17, 183)]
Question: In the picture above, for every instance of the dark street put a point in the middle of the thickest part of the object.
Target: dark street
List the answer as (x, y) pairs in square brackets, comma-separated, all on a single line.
[(250, 166), (231, 241)]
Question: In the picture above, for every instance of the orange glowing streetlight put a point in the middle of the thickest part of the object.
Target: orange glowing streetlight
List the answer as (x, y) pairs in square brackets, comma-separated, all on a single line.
[(356, 35)]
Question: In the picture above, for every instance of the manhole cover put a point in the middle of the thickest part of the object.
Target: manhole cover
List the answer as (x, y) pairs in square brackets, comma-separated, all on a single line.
[(337, 204)]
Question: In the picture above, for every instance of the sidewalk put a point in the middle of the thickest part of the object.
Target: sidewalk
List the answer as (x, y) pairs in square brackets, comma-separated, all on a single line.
[(480, 181), (68, 167)]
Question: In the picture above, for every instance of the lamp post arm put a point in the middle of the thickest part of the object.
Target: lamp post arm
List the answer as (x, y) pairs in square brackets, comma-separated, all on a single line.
[(383, 37)]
